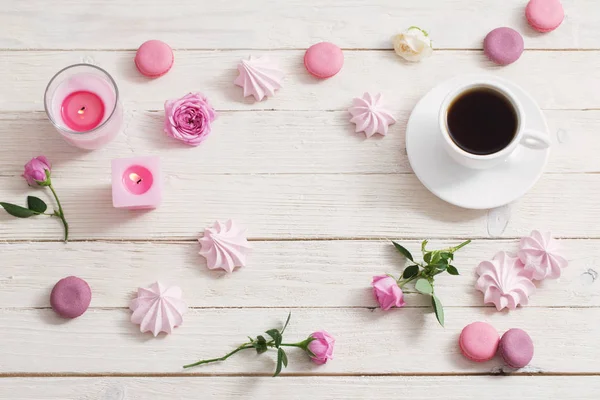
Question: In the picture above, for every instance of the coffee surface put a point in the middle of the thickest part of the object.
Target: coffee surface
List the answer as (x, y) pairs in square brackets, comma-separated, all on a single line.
[(482, 121)]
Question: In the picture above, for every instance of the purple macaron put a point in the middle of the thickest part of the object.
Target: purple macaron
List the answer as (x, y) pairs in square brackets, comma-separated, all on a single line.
[(516, 348), (70, 297), (503, 45)]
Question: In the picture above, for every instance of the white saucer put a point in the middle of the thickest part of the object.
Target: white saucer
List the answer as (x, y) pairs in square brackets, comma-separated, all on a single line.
[(461, 186)]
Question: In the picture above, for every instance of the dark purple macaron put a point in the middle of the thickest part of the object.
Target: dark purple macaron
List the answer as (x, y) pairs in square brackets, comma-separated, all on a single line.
[(503, 45), (71, 297), (516, 348)]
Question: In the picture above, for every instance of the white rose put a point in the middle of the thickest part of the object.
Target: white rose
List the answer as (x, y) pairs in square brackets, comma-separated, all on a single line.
[(413, 44)]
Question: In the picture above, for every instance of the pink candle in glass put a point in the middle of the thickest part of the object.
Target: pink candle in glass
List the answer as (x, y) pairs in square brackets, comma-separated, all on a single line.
[(82, 102)]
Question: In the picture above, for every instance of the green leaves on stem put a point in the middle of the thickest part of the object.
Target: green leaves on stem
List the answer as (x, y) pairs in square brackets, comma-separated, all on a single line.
[(434, 263), (262, 345), (37, 206)]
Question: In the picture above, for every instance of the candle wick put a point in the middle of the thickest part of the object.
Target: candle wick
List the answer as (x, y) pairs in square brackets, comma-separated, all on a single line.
[(138, 182), (82, 108)]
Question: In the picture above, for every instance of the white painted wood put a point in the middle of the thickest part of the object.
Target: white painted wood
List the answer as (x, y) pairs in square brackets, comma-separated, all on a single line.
[(274, 24), (269, 142), (25, 74), (301, 388), (300, 206), (288, 168), (278, 274), (402, 341)]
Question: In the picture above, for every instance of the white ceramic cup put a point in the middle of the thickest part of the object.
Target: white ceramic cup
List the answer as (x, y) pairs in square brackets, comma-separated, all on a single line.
[(523, 137)]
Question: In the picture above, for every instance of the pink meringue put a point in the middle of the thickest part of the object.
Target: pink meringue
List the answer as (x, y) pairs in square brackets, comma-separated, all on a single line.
[(370, 116), (504, 282), (540, 254), (158, 309), (225, 246), (259, 77)]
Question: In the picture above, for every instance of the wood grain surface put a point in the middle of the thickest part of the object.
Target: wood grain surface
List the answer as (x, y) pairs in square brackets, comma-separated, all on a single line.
[(320, 202)]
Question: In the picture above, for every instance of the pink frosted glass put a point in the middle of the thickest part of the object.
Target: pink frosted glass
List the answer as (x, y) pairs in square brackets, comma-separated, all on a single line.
[(136, 183), (84, 78)]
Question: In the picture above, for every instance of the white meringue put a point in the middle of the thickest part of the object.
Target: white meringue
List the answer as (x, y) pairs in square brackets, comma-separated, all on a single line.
[(413, 44), (370, 116), (259, 77), (541, 255), (504, 282), (158, 309), (225, 246)]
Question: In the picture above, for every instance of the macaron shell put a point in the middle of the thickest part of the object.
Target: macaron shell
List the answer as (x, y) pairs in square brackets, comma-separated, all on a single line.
[(516, 348), (323, 60), (479, 341), (154, 58), (544, 15), (70, 297), (503, 45)]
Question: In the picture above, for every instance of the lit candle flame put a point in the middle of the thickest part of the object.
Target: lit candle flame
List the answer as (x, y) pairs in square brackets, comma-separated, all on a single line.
[(135, 178), (81, 110)]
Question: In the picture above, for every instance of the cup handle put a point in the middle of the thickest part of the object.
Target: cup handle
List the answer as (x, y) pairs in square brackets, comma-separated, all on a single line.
[(535, 140)]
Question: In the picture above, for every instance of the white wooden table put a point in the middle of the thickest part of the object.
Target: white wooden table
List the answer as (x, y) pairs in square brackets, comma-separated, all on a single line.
[(320, 202)]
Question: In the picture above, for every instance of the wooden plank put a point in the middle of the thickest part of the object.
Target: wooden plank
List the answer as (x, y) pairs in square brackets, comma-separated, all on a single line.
[(276, 24), (299, 388), (270, 142), (402, 341), (279, 274), (25, 74), (303, 206)]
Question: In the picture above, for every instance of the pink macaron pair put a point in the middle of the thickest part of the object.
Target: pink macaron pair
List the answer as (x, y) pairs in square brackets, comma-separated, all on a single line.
[(480, 342)]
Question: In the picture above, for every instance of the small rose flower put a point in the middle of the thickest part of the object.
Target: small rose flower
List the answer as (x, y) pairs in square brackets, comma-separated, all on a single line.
[(189, 118), (387, 292), (35, 171), (321, 347), (413, 44)]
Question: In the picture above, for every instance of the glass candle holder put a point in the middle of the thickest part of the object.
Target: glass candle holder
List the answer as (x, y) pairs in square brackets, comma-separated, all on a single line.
[(82, 102)]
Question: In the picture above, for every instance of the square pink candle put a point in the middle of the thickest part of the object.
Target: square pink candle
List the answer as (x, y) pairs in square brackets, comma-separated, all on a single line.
[(136, 183)]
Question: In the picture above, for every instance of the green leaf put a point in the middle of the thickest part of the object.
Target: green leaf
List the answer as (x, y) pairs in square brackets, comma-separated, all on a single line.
[(411, 271), (423, 245), (260, 344), (436, 257), (427, 257), (403, 251), (280, 356), (276, 335), (18, 211), (452, 270), (438, 308), (441, 266), (423, 286), (284, 358), (286, 323), (36, 204), (446, 256)]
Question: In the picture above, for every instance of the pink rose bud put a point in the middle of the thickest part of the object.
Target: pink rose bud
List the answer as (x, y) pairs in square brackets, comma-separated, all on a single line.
[(387, 292), (35, 171), (321, 347), (189, 118)]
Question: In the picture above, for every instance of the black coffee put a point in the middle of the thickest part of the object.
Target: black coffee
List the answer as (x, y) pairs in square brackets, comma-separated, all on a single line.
[(482, 121)]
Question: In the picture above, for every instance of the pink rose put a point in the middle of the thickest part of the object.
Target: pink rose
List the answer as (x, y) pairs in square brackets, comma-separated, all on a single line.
[(321, 347), (387, 292), (188, 119), (35, 171)]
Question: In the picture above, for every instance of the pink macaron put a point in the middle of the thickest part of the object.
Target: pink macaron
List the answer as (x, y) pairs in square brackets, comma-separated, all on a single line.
[(154, 58), (503, 45), (323, 60), (70, 297), (479, 341), (516, 348), (544, 15)]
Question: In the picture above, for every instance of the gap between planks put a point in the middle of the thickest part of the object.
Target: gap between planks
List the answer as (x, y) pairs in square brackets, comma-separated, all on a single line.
[(500, 372), (293, 239), (358, 49)]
